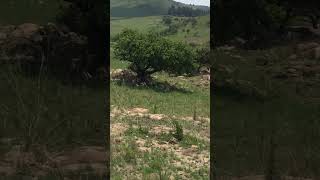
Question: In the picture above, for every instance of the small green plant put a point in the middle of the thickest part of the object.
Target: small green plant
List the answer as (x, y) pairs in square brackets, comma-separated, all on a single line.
[(143, 130), (195, 114), (129, 152), (155, 109), (178, 134)]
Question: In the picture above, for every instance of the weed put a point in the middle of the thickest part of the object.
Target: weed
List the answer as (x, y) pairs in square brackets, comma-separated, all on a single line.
[(178, 133)]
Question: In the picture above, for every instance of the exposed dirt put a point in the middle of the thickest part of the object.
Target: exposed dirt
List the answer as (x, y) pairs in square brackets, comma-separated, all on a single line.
[(192, 158), (85, 159)]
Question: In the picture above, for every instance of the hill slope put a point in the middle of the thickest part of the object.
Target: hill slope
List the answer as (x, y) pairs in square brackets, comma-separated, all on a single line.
[(198, 34), (139, 8)]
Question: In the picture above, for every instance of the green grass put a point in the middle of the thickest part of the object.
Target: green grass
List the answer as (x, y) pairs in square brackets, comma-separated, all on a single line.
[(197, 34), (143, 24), (141, 8), (187, 99), (244, 126), (172, 103), (152, 165), (49, 113), (126, 8), (126, 156)]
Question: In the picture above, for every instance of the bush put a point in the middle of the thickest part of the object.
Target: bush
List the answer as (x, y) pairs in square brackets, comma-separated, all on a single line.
[(167, 20), (178, 134), (150, 53), (203, 57)]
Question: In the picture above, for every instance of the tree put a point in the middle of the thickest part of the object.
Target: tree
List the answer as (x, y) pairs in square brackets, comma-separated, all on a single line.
[(150, 53), (259, 20), (309, 9), (203, 57), (187, 11), (89, 18)]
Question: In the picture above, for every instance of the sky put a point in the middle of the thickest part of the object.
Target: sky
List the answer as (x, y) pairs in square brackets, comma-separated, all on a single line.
[(196, 2)]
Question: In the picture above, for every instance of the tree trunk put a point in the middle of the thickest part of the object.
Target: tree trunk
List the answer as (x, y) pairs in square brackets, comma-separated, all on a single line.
[(143, 77)]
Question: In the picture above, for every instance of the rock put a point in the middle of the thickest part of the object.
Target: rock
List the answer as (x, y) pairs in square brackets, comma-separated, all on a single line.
[(204, 70), (291, 70), (123, 75), (33, 43), (317, 52), (311, 53), (3, 36), (156, 116), (238, 42), (309, 50), (27, 30), (306, 46), (206, 77), (7, 29), (6, 170), (138, 110), (226, 48), (293, 57)]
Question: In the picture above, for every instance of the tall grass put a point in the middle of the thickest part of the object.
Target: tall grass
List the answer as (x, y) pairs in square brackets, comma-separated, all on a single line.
[(275, 136), (42, 110)]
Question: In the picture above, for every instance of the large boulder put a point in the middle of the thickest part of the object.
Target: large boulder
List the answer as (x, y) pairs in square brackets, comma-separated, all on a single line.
[(310, 50), (58, 48), (28, 31)]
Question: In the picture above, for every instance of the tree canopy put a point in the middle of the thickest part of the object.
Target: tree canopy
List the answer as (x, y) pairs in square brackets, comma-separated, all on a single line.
[(89, 18), (150, 53), (261, 20)]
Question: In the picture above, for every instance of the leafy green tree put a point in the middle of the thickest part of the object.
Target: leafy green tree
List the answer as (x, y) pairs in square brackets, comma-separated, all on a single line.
[(203, 57), (150, 53)]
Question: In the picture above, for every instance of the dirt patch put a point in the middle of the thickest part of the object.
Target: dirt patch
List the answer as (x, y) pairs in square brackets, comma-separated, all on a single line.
[(86, 159), (117, 129), (261, 177), (143, 112), (191, 158), (161, 130), (156, 116)]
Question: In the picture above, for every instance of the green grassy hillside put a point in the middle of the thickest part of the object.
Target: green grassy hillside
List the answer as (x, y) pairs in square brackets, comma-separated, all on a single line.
[(197, 34), (140, 8)]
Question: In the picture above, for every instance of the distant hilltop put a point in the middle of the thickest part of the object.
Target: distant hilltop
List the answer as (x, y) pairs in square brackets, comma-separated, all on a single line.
[(139, 8)]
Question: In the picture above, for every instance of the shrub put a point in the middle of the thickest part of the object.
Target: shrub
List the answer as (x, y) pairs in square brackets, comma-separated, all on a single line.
[(203, 57), (150, 53), (178, 134), (167, 20)]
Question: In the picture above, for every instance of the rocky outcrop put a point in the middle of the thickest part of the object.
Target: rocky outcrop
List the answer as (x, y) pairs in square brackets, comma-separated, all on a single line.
[(303, 65), (309, 50), (51, 45)]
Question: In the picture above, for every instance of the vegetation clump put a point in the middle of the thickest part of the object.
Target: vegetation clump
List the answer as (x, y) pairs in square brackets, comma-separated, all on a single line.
[(150, 53)]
